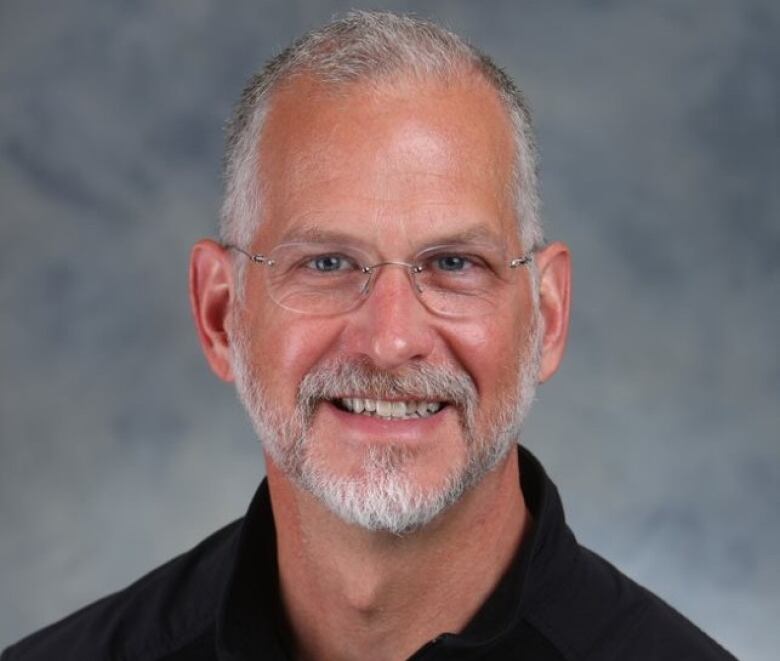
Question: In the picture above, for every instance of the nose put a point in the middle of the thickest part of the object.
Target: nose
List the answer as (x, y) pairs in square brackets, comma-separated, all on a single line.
[(392, 327)]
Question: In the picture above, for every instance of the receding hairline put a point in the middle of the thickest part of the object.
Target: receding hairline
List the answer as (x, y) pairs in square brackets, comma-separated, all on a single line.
[(468, 80), (361, 48), (290, 94)]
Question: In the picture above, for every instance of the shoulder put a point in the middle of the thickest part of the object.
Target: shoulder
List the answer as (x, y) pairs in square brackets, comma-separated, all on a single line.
[(603, 614), (583, 606), (170, 609)]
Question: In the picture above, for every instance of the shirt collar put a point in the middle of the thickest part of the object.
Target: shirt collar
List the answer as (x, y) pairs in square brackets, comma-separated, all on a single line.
[(250, 616), (546, 553)]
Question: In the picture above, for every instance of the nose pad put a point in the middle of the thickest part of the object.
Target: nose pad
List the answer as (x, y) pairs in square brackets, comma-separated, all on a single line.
[(411, 271)]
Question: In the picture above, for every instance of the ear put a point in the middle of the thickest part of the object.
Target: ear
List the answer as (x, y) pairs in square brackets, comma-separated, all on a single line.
[(554, 264), (211, 296)]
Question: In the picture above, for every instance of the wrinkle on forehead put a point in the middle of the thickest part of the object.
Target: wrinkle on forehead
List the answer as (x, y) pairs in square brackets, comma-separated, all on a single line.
[(327, 233)]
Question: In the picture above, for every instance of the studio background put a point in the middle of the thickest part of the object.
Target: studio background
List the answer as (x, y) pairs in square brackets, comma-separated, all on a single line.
[(658, 127)]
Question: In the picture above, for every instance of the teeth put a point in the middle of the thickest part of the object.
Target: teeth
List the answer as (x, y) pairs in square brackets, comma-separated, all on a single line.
[(386, 409)]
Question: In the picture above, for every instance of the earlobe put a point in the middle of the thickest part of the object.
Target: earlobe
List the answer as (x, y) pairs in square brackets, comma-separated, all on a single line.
[(554, 264), (211, 297)]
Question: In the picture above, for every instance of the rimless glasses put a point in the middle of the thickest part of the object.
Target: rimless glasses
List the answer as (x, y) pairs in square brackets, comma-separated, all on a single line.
[(328, 279)]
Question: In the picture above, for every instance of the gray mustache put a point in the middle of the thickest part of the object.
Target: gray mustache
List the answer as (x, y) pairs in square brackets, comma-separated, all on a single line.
[(416, 381)]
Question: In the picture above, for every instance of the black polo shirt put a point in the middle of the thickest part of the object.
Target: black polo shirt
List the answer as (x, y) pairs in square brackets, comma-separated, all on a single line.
[(220, 602)]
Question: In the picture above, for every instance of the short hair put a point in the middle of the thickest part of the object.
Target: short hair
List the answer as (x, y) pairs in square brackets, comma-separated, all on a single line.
[(368, 46)]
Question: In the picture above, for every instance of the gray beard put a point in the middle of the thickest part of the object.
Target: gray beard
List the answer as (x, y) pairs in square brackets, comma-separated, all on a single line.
[(382, 496)]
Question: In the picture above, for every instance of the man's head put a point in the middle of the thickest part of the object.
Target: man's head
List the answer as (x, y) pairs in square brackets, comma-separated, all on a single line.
[(383, 141)]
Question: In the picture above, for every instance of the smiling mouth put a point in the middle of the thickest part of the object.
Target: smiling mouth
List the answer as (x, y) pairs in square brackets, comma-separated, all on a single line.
[(387, 410)]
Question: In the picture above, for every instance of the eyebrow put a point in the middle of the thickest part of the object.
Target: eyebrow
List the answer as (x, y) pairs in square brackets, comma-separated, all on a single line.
[(314, 234), (471, 234)]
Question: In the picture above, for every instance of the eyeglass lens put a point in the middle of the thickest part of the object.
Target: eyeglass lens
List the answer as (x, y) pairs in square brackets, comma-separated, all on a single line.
[(327, 279)]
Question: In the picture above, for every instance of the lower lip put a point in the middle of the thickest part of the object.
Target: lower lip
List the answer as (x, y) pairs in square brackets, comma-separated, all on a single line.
[(389, 429)]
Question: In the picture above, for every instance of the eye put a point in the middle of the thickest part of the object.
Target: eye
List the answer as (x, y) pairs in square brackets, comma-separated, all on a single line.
[(454, 263), (328, 263)]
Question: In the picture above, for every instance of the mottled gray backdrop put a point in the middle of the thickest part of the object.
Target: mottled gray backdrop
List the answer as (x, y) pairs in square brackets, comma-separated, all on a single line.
[(658, 127)]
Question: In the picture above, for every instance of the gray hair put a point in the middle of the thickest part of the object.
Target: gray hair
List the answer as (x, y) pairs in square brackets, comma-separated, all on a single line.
[(368, 46)]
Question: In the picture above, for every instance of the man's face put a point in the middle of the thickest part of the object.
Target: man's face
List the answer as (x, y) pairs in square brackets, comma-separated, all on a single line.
[(392, 170)]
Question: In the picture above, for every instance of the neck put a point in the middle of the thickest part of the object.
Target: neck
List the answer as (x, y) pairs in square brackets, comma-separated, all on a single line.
[(352, 593)]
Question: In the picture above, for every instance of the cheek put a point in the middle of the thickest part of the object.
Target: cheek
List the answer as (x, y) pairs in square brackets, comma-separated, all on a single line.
[(286, 347), (490, 349)]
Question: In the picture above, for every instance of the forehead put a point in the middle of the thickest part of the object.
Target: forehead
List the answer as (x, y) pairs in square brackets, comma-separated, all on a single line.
[(403, 159)]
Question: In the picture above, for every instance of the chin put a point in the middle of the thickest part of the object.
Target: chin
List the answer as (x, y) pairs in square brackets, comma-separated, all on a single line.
[(387, 491)]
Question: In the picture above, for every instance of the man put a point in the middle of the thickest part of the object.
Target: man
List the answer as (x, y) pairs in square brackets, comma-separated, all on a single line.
[(385, 304)]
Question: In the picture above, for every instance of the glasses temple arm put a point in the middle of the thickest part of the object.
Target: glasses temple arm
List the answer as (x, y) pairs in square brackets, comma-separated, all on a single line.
[(254, 257)]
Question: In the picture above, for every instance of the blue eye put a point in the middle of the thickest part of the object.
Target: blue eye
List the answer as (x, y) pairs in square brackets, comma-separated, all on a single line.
[(328, 263), (453, 263)]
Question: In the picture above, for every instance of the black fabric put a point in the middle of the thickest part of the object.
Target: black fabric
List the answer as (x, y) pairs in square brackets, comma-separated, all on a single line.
[(220, 602)]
